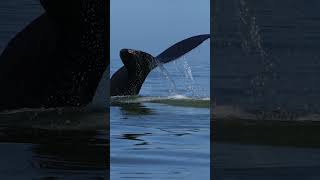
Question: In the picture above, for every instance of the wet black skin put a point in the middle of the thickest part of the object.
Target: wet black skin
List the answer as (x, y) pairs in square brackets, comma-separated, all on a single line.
[(128, 79), (57, 60)]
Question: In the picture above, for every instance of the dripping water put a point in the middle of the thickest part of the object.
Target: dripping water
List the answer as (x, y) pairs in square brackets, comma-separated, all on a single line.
[(252, 42), (182, 66), (166, 75)]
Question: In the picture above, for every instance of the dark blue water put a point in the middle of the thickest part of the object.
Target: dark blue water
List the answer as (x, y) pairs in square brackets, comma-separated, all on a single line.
[(164, 133), (53, 143), (266, 89)]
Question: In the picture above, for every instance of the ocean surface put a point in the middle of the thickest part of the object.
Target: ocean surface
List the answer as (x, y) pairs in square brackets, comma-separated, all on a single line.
[(161, 134), (48, 144), (266, 91), (164, 133)]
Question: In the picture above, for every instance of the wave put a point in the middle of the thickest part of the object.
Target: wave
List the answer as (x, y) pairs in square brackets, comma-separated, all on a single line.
[(64, 118), (233, 112), (275, 128), (174, 100)]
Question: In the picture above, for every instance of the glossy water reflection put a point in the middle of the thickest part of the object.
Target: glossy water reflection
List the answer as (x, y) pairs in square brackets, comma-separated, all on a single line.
[(170, 143), (36, 151)]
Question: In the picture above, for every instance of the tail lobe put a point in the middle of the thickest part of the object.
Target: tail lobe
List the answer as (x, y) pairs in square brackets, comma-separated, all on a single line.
[(181, 48)]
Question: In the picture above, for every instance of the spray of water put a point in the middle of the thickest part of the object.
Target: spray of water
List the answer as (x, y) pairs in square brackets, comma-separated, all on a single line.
[(195, 89), (191, 88), (165, 73), (184, 68), (252, 42)]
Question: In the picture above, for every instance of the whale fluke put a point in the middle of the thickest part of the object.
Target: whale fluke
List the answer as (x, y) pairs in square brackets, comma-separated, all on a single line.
[(128, 79), (181, 48)]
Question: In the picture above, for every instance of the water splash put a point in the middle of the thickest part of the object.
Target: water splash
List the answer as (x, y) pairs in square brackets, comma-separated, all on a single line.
[(190, 87), (188, 71), (174, 100), (193, 88), (165, 73), (184, 68), (252, 42)]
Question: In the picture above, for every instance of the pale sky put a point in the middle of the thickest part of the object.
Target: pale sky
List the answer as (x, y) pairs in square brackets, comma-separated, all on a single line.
[(154, 25)]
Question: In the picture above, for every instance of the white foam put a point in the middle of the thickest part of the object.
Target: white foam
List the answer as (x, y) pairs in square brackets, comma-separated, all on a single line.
[(178, 96)]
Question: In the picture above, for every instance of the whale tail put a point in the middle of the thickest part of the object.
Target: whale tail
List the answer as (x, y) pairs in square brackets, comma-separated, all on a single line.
[(128, 80), (181, 48)]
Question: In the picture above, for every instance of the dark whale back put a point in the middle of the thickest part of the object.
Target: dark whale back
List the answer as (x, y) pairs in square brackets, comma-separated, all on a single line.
[(128, 79), (57, 60)]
